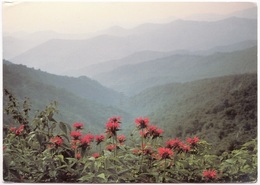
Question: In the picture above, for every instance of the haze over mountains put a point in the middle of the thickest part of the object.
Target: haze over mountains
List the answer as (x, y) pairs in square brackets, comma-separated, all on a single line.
[(132, 79), (79, 51)]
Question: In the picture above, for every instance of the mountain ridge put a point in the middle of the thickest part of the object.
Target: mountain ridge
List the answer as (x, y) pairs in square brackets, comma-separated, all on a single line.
[(198, 35)]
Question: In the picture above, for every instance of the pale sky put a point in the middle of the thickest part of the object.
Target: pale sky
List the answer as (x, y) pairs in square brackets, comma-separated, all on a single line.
[(84, 17)]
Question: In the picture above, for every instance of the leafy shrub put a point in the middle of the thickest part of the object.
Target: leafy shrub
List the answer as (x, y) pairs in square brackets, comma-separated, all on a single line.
[(46, 150)]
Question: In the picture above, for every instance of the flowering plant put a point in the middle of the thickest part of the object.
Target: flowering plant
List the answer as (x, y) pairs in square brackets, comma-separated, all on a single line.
[(42, 151)]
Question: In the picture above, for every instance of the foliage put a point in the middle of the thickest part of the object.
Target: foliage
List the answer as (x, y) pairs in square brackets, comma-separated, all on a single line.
[(46, 150), (221, 110)]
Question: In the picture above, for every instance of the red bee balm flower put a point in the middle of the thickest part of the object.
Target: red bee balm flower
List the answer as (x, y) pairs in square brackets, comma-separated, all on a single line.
[(57, 140), (110, 147), (19, 130), (99, 139), (165, 153), (173, 143), (147, 150), (12, 129), (144, 133), (121, 139), (77, 156), (112, 127), (78, 126), (115, 119), (96, 155), (141, 123), (209, 174), (137, 151), (193, 141), (185, 148), (157, 133), (87, 139), (75, 134)]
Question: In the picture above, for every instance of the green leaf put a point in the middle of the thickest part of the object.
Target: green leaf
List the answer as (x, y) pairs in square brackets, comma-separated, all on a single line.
[(123, 172), (61, 158), (102, 176), (230, 161), (86, 178), (63, 127)]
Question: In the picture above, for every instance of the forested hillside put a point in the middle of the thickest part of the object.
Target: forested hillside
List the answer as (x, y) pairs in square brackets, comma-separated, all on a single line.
[(82, 86), (42, 88), (222, 110)]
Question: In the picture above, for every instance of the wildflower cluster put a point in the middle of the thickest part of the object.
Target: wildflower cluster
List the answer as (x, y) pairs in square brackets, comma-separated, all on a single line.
[(17, 131), (56, 141), (113, 125), (179, 146), (209, 174), (151, 131), (151, 154)]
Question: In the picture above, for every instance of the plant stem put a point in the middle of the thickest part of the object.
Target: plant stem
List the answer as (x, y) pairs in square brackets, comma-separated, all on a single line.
[(142, 147), (163, 180)]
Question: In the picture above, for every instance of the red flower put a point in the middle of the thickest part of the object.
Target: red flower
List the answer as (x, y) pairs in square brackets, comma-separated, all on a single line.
[(87, 139), (157, 133), (99, 139), (144, 133), (142, 123), (209, 174), (96, 155), (77, 156), (78, 126), (147, 150), (112, 127), (137, 151), (115, 119), (19, 130), (74, 147), (155, 156), (121, 139), (193, 141), (75, 134), (152, 129), (185, 148), (75, 144), (57, 140), (110, 147), (165, 153), (173, 143), (12, 129)]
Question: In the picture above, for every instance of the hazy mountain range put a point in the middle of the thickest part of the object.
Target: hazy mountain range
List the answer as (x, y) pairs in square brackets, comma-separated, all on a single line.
[(132, 79), (68, 54)]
